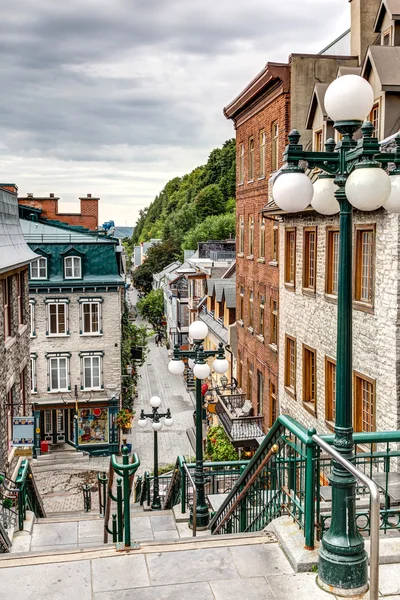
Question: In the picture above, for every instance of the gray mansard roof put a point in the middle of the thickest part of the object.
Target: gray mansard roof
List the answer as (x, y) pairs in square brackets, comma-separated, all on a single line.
[(14, 251)]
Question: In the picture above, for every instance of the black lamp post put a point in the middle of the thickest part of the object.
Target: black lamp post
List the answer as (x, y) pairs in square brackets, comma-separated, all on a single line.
[(198, 331), (156, 424)]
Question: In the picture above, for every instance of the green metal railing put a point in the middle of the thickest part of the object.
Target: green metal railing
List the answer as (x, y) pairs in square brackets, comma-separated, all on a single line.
[(28, 494), (121, 524), (219, 478), (289, 475)]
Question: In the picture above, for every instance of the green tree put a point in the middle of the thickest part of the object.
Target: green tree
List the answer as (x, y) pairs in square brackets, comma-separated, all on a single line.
[(151, 307), (158, 257), (133, 336), (210, 201), (219, 227)]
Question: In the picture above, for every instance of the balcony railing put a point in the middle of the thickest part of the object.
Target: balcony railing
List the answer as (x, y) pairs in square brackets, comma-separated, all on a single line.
[(222, 255), (243, 429)]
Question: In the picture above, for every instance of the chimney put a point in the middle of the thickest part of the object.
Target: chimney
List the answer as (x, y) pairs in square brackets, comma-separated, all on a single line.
[(10, 187), (363, 15), (29, 195), (51, 195), (89, 195)]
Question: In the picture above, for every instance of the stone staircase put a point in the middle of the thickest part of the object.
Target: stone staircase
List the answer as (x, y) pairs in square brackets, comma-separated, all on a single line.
[(62, 458)]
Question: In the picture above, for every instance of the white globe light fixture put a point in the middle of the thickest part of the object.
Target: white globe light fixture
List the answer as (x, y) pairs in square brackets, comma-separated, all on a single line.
[(198, 330), (168, 421), (292, 192), (191, 363), (220, 365), (201, 371), (156, 425), (155, 401), (392, 204), (176, 367), (142, 422), (324, 201), (368, 188), (349, 98)]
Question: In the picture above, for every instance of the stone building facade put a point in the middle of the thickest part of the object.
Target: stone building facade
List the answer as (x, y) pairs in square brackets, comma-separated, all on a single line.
[(15, 256), (76, 296)]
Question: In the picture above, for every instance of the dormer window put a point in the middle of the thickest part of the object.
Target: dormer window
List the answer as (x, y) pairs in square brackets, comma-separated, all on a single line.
[(39, 268), (73, 267)]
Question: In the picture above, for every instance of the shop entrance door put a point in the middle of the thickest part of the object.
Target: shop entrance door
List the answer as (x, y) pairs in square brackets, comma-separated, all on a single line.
[(54, 425)]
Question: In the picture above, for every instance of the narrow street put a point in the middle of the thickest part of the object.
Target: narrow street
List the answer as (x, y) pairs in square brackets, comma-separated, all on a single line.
[(156, 380)]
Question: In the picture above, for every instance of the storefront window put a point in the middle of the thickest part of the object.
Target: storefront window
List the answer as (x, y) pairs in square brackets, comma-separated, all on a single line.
[(93, 426)]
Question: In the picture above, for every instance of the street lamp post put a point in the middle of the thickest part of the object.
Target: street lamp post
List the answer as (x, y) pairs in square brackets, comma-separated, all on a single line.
[(156, 424), (198, 331), (353, 176)]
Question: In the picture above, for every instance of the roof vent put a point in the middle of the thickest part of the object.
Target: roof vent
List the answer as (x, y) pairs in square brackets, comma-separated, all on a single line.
[(51, 195), (29, 195), (89, 195)]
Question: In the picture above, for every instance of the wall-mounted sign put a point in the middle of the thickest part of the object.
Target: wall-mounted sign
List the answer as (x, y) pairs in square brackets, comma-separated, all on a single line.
[(23, 431)]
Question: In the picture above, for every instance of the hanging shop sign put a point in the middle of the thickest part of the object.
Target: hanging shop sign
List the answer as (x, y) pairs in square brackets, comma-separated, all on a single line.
[(23, 431)]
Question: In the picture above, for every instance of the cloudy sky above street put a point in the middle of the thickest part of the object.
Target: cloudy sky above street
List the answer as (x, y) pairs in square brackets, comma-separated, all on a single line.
[(115, 97)]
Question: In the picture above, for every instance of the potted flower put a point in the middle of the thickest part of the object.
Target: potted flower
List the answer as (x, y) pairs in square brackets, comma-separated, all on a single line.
[(124, 419)]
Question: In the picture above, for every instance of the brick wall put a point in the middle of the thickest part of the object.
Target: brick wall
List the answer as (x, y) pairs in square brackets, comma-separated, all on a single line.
[(87, 217), (259, 275), (14, 360)]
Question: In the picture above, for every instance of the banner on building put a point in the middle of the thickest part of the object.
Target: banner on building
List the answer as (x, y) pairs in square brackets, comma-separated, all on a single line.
[(23, 431)]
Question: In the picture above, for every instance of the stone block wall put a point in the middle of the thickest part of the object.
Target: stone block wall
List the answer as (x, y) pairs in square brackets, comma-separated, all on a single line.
[(14, 360), (108, 342), (312, 320)]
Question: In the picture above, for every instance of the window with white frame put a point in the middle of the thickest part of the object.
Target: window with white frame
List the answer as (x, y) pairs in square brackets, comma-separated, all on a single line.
[(58, 373), (57, 318), (91, 318), (73, 267), (39, 268), (91, 367), (33, 375), (32, 317)]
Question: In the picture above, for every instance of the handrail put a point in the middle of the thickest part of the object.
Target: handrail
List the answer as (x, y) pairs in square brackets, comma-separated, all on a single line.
[(194, 521), (375, 511)]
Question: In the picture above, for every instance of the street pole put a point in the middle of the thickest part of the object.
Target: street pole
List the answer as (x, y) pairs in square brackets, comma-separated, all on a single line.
[(156, 504), (202, 513)]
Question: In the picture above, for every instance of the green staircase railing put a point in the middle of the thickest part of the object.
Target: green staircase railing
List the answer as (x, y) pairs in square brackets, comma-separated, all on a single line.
[(121, 520), (289, 475)]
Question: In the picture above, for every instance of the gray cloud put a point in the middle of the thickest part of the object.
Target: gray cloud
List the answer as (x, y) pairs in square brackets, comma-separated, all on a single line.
[(94, 88)]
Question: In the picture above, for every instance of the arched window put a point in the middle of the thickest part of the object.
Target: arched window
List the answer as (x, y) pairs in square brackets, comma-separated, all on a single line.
[(38, 268), (73, 267)]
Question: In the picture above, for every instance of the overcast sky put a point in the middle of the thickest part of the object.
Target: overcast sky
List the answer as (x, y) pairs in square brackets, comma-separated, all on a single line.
[(115, 97)]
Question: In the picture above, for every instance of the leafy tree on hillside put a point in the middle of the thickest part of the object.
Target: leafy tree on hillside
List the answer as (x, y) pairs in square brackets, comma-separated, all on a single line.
[(151, 307), (158, 257), (210, 201), (219, 227)]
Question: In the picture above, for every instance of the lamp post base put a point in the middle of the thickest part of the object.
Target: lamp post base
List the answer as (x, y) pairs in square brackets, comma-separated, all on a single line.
[(343, 575), (202, 518)]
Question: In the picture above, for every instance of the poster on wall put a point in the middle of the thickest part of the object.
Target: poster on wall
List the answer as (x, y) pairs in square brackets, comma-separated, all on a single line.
[(23, 431), (93, 426)]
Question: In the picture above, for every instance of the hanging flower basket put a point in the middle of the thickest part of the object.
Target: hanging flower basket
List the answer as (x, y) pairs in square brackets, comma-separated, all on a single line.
[(124, 419)]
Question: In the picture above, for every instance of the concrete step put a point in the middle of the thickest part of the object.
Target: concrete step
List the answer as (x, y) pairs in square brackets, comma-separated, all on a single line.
[(66, 456)]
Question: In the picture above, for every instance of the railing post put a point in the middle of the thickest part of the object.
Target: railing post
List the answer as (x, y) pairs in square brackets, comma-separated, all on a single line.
[(114, 528), (183, 490), (309, 509), (127, 494), (243, 506), (119, 509)]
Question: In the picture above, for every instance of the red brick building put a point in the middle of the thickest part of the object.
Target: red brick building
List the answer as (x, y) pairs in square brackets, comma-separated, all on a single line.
[(261, 117), (273, 103), (87, 217)]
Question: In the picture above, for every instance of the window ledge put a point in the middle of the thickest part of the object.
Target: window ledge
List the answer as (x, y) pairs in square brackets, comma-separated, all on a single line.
[(250, 330), (330, 425), (310, 407), (58, 391), (91, 334), (260, 338), (290, 391), (22, 328), (58, 335), (240, 322), (240, 184), (250, 257), (33, 393), (363, 307), (261, 178), (32, 335), (309, 292), (250, 181), (290, 286), (273, 347), (273, 263), (331, 298), (9, 343), (240, 255), (261, 260)]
